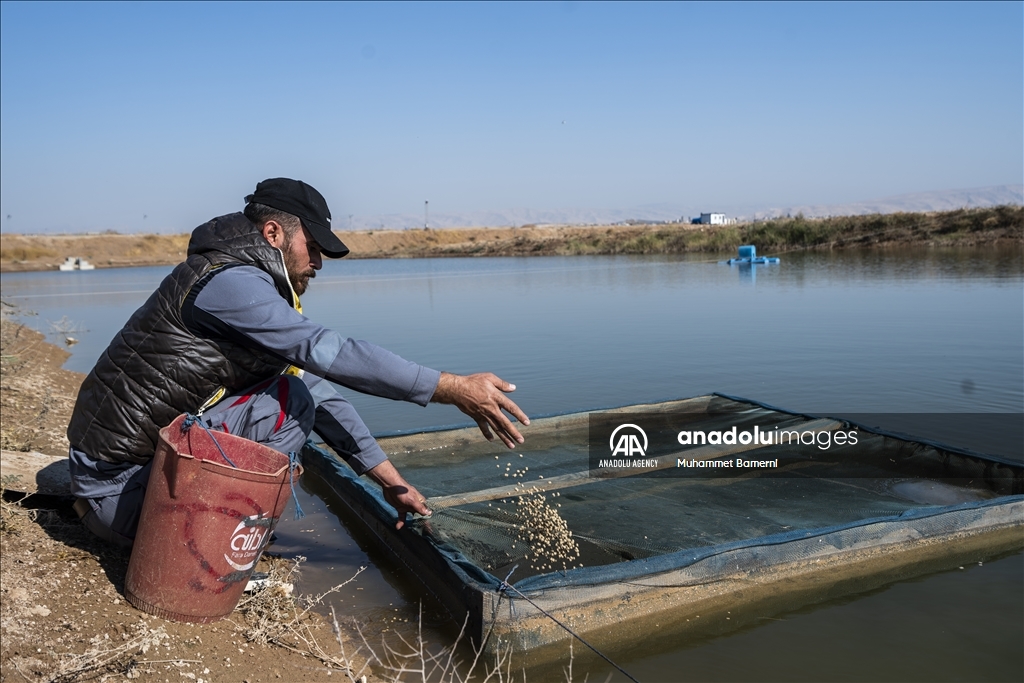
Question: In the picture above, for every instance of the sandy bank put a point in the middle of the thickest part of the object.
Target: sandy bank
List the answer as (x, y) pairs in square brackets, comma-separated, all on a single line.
[(965, 227)]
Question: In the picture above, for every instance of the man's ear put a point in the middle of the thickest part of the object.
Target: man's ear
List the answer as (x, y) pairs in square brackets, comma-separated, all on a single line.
[(274, 233)]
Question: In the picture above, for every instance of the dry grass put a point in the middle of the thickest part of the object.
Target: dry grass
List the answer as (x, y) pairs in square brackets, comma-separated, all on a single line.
[(276, 618), (962, 227), (103, 656), (12, 515), (26, 252), (36, 394), (272, 615), (44, 252), (107, 657), (396, 662)]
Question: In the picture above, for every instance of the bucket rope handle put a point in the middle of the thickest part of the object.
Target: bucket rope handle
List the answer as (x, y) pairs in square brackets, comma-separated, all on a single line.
[(190, 420), (293, 462), (293, 459)]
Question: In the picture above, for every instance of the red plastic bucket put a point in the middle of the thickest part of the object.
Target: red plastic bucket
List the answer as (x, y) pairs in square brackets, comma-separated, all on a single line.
[(204, 523)]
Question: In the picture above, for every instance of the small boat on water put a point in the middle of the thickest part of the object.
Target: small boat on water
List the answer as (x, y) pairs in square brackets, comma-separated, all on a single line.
[(75, 263)]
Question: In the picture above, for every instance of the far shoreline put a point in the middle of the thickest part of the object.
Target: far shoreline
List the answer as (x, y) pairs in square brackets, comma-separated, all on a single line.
[(959, 228)]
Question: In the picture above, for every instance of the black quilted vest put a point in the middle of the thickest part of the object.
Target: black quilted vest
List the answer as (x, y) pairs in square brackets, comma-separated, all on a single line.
[(155, 368)]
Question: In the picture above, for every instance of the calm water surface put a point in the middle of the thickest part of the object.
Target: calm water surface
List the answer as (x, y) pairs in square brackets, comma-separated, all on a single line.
[(853, 332)]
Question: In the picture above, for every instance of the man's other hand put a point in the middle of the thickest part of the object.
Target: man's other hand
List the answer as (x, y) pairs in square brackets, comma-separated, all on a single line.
[(482, 397), (399, 493)]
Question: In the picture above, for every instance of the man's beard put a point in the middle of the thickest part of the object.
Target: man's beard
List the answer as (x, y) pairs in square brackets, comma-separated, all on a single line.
[(298, 274), (301, 282)]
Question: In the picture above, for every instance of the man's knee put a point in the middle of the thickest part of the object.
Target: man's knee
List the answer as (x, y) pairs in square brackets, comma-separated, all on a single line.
[(115, 518)]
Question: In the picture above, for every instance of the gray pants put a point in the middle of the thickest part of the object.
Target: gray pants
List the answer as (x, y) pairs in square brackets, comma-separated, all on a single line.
[(278, 413)]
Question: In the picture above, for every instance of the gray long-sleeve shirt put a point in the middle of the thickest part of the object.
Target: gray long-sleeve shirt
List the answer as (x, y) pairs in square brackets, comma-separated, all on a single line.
[(241, 304)]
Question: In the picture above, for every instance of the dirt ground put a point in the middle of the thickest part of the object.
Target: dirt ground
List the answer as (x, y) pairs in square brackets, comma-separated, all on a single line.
[(63, 612), (63, 615), (36, 394)]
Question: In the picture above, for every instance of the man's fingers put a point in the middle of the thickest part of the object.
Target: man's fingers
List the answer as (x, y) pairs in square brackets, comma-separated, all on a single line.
[(507, 403), (493, 420), (506, 439), (510, 406), (407, 505), (502, 425), (482, 397), (507, 431), (495, 381), (482, 424), (419, 505)]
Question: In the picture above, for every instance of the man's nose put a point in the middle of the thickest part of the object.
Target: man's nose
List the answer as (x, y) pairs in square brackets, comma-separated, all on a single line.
[(316, 260)]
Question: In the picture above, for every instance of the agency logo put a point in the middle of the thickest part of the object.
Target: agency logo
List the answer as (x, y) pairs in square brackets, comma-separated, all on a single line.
[(628, 440), (247, 542)]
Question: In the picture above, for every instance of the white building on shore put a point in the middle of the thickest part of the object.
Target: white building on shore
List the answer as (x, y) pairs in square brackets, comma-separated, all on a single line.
[(713, 219)]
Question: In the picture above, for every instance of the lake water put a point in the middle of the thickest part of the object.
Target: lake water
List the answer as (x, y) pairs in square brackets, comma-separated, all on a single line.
[(900, 331)]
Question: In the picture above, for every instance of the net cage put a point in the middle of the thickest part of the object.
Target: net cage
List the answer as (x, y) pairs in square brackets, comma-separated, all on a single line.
[(522, 540)]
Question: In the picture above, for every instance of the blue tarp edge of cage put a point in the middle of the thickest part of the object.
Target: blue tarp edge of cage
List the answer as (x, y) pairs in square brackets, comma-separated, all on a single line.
[(845, 534), (472, 574), (373, 500), (636, 569)]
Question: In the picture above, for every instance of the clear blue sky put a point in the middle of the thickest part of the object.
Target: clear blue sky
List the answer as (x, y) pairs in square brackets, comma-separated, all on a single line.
[(109, 112)]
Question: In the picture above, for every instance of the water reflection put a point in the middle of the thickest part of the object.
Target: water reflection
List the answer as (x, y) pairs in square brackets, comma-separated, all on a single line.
[(899, 331), (868, 331)]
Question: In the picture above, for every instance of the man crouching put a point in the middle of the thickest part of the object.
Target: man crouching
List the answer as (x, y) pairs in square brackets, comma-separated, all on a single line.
[(223, 337)]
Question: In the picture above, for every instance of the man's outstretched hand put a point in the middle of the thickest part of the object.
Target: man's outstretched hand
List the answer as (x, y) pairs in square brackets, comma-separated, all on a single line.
[(399, 493), (482, 397)]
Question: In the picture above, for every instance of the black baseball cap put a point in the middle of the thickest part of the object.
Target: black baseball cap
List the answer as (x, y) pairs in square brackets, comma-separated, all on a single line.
[(305, 203)]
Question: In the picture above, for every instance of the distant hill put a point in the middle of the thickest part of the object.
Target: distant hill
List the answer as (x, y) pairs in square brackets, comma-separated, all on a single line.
[(943, 200), (519, 217)]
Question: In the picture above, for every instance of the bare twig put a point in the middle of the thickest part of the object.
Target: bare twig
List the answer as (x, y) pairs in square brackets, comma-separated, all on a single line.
[(273, 616), (418, 659), (117, 659), (66, 328)]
